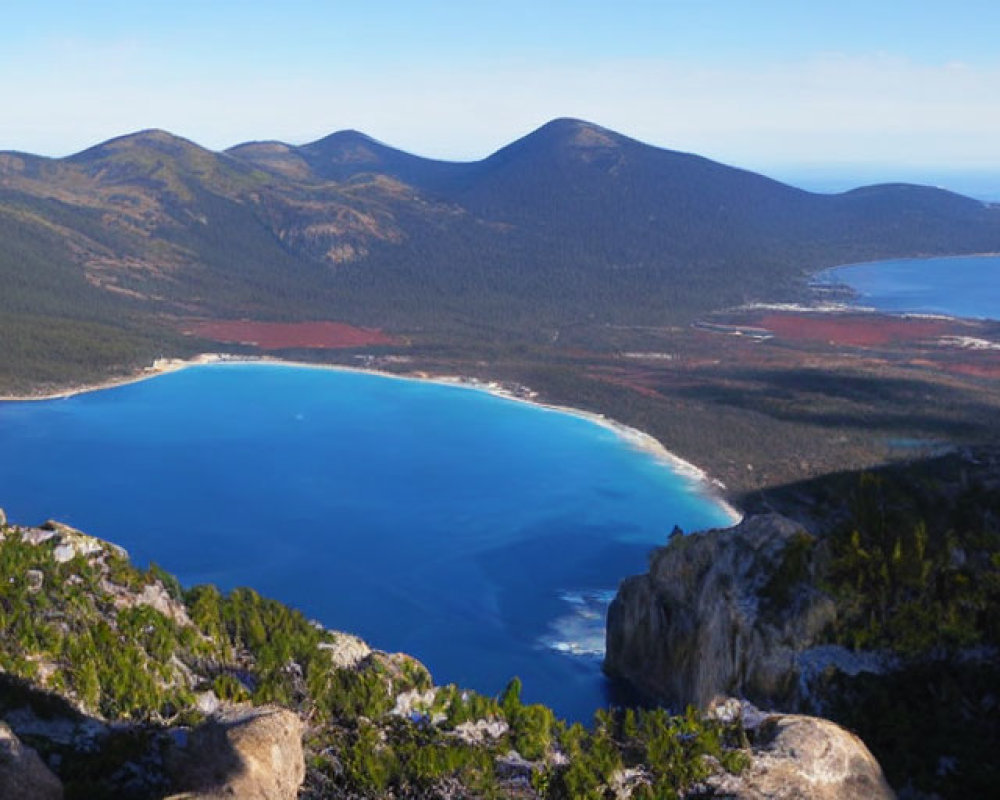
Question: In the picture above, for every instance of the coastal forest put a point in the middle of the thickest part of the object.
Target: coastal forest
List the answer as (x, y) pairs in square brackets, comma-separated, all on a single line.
[(573, 225)]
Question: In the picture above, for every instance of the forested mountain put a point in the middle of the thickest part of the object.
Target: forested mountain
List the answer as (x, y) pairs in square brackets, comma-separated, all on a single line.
[(575, 220), (570, 223)]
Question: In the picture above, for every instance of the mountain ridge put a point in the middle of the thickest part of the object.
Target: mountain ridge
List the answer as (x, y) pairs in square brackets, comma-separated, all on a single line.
[(571, 224), (559, 132), (555, 131)]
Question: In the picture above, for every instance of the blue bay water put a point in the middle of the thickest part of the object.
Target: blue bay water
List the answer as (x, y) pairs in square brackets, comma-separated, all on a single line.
[(959, 286), (482, 535)]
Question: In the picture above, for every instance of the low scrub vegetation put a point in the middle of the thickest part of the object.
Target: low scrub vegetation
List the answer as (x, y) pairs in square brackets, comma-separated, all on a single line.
[(78, 629)]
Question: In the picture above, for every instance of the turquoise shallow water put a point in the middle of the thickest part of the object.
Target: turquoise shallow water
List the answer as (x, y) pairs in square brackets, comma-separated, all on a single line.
[(482, 535), (960, 286)]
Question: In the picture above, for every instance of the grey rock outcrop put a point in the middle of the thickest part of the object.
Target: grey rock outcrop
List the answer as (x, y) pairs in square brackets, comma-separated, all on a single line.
[(73, 543), (797, 757), (249, 753), (22, 773), (697, 625), (346, 651), (153, 594)]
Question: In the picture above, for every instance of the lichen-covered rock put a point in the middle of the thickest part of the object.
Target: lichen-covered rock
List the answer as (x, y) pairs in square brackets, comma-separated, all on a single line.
[(346, 650), (475, 732), (154, 595), (697, 625), (207, 702), (70, 542), (414, 702), (516, 769), (22, 773), (796, 757), (249, 753)]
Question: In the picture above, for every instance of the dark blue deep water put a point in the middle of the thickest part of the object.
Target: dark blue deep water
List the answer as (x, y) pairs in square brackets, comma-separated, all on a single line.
[(482, 535), (959, 286)]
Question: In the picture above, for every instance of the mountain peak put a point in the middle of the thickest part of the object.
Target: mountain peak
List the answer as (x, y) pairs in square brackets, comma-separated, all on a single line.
[(267, 146), (349, 147), (149, 139), (571, 125), (564, 140), (576, 133), (347, 153), (273, 156), (347, 136)]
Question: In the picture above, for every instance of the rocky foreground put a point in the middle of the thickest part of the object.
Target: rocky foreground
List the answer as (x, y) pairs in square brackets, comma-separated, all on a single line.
[(117, 683), (885, 619)]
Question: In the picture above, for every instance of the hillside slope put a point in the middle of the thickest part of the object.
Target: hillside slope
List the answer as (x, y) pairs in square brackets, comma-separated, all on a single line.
[(572, 220), (883, 618), (576, 221), (129, 686)]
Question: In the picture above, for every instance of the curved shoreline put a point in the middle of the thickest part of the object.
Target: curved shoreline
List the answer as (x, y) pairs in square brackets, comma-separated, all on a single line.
[(907, 258), (923, 303), (705, 485)]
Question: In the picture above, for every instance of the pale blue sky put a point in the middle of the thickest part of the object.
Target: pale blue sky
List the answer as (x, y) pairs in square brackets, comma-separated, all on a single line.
[(772, 84)]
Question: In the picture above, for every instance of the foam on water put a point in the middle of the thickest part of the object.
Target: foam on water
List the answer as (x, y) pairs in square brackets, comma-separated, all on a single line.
[(580, 632)]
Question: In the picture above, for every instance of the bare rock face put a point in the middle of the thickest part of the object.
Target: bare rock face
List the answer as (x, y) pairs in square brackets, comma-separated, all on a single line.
[(696, 625), (69, 542), (249, 753), (22, 772), (153, 594), (346, 650), (797, 757)]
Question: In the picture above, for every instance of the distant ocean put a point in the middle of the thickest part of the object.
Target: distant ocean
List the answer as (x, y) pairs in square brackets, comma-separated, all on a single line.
[(959, 286), (980, 184), (482, 535)]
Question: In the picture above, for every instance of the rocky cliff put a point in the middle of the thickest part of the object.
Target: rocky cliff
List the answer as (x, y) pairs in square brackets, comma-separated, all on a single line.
[(736, 612), (883, 618), (723, 612)]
